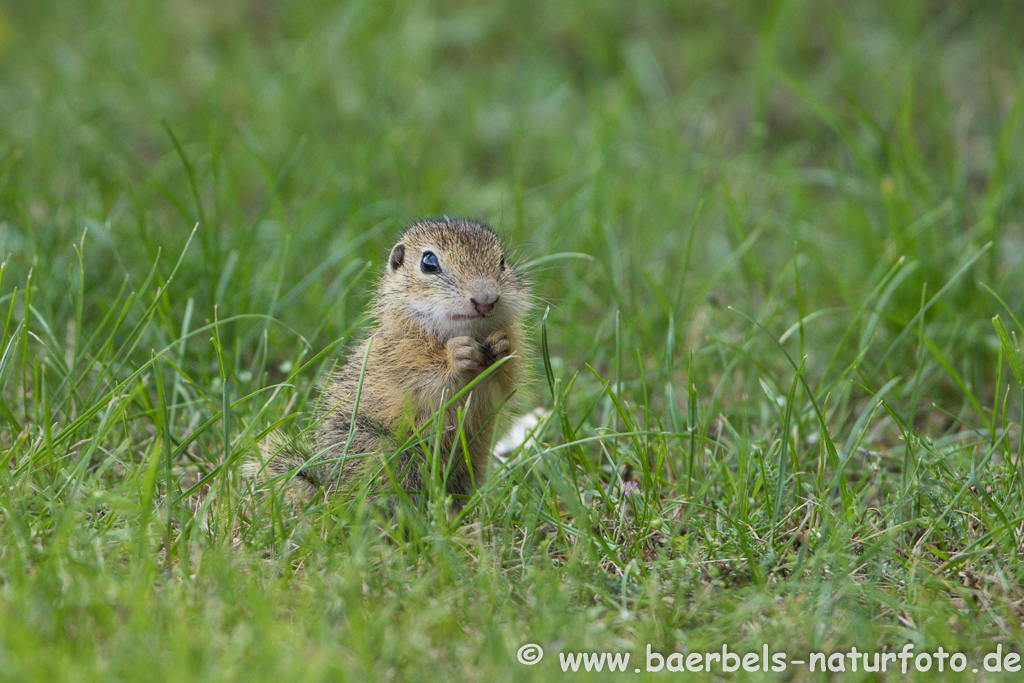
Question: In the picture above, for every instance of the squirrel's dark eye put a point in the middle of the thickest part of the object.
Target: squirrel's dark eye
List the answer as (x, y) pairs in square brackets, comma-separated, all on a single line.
[(501, 266), (429, 264)]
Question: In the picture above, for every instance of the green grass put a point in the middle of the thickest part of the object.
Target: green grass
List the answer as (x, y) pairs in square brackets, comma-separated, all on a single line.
[(787, 308)]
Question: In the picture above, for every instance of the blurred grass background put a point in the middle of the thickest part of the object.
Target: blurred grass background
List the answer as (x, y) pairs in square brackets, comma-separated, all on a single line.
[(848, 175)]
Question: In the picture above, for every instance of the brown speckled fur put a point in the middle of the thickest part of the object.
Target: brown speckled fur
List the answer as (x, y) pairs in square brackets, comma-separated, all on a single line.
[(417, 358)]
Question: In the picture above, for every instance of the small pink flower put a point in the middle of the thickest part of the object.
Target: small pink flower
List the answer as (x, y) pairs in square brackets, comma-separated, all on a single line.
[(631, 488)]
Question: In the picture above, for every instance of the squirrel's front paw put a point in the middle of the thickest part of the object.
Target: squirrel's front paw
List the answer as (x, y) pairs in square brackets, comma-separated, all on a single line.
[(496, 346), (466, 354)]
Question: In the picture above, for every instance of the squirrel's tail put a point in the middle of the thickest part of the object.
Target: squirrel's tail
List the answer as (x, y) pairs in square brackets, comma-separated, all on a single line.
[(279, 467)]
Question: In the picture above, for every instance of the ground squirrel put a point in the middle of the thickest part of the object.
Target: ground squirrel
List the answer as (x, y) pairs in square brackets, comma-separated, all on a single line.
[(450, 305)]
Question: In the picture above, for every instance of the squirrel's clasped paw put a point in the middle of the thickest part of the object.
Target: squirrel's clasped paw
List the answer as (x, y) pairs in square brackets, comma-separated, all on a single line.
[(469, 355)]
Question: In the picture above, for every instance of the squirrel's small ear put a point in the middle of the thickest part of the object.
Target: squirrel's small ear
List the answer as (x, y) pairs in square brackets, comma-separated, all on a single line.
[(397, 256)]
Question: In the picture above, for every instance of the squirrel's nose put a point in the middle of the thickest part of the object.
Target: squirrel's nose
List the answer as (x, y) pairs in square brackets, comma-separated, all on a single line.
[(484, 303)]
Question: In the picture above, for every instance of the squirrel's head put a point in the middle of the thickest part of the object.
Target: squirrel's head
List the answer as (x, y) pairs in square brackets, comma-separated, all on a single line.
[(452, 277)]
